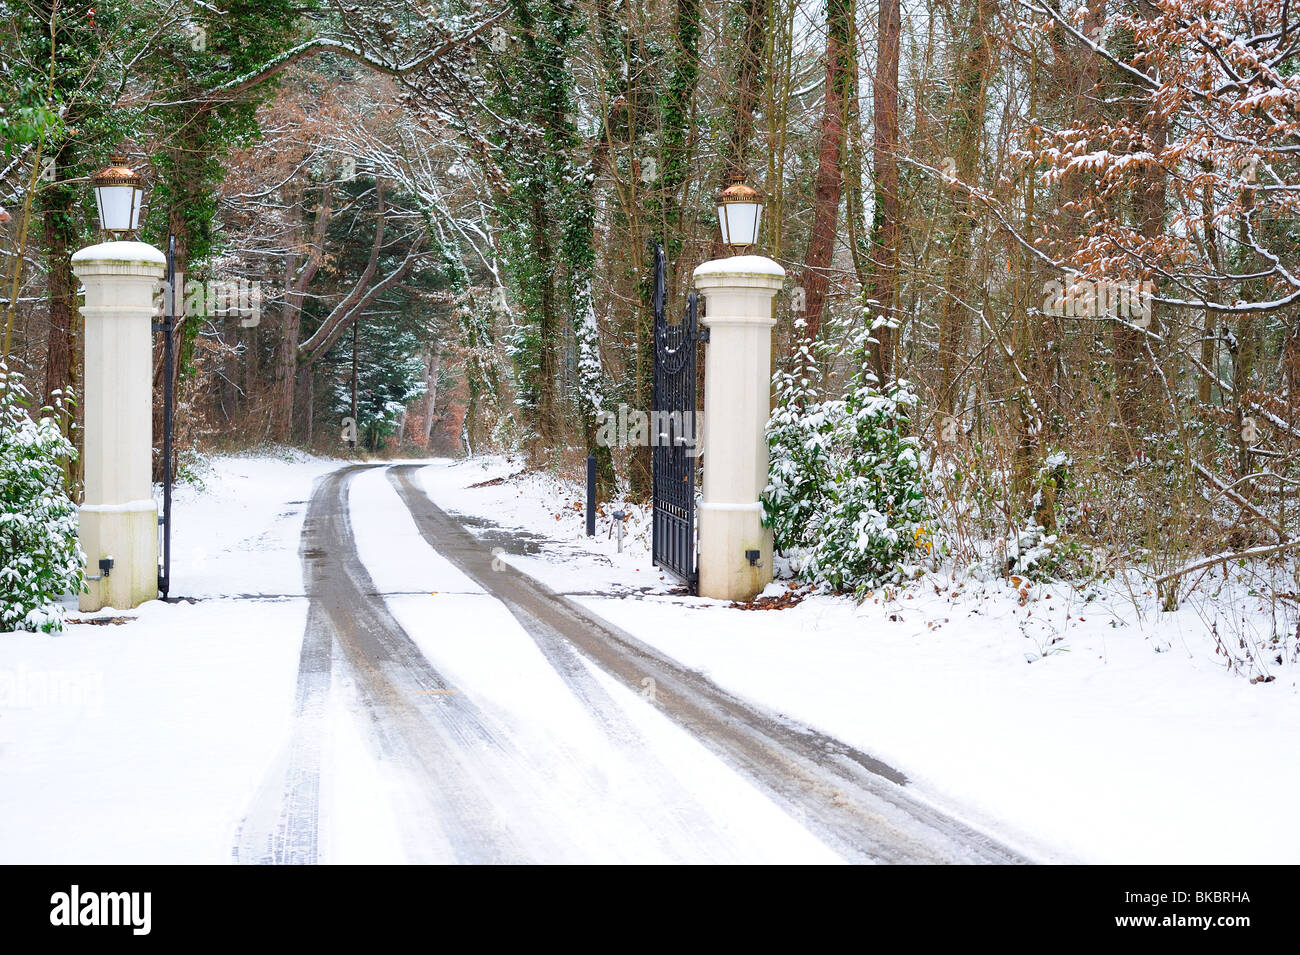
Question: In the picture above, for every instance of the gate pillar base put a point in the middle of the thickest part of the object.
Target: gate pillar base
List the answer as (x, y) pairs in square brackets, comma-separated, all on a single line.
[(738, 294), (728, 530)]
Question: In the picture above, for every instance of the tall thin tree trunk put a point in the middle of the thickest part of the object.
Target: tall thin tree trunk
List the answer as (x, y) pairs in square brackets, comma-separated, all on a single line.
[(1210, 331), (287, 354), (549, 421), (752, 16), (664, 208), (432, 366), (1139, 403), (185, 178), (967, 111), (886, 229), (354, 373), (830, 158), (60, 229), (309, 379)]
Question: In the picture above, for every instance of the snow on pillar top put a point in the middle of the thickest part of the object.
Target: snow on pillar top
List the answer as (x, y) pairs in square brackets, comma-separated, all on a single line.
[(117, 254), (739, 290), (744, 270)]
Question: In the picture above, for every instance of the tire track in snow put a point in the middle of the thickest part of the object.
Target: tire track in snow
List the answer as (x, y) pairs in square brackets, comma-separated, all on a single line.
[(855, 803), (455, 756), (280, 826), (629, 743)]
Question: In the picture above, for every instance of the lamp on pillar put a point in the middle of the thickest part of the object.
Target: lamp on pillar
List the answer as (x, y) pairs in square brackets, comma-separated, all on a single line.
[(740, 213), (118, 519), (119, 193), (735, 549)]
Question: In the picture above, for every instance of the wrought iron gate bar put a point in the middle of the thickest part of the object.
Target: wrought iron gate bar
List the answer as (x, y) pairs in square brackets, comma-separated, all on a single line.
[(672, 453)]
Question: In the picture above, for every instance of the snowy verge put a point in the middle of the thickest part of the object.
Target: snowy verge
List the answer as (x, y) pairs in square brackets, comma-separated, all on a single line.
[(143, 738), (237, 525), (1082, 722)]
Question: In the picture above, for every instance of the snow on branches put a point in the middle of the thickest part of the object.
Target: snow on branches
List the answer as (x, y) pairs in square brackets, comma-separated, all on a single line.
[(1180, 161), (40, 558)]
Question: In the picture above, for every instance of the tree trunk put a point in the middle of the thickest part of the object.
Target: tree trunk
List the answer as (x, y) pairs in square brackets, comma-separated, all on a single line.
[(286, 371), (886, 227), (298, 274), (548, 423), (186, 178), (432, 366), (967, 111), (1140, 405), (1210, 330), (664, 207), (61, 233), (826, 199), (752, 16)]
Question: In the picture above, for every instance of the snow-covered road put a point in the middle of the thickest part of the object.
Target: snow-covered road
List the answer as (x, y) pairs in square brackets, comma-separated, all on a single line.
[(449, 708), (352, 676), (469, 712)]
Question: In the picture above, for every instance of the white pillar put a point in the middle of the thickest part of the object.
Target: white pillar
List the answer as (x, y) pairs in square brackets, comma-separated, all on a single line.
[(738, 295), (119, 518)]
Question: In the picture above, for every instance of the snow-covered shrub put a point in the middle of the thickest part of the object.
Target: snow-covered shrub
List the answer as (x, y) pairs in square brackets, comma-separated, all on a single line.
[(40, 558), (1031, 552), (799, 457), (845, 491), (1045, 545)]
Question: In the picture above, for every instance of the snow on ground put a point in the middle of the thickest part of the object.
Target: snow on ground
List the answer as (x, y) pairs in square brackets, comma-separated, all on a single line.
[(237, 527), (545, 523), (158, 760), (1125, 740), (154, 738), (658, 796), (144, 742), (1081, 727), (390, 546)]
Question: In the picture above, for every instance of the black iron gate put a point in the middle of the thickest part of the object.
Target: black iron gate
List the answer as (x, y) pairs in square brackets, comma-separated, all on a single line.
[(673, 433)]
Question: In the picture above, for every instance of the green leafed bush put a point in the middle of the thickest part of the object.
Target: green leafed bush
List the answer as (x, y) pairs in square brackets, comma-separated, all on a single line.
[(40, 558), (845, 493)]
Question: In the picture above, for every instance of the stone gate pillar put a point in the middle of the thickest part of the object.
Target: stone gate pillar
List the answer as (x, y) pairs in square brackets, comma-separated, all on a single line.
[(735, 558), (119, 518)]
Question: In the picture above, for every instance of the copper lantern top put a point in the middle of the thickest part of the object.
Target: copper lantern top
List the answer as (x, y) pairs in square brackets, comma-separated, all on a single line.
[(739, 190), (117, 173)]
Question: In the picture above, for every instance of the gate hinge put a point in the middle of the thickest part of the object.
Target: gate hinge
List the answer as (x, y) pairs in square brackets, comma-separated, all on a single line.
[(703, 334)]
